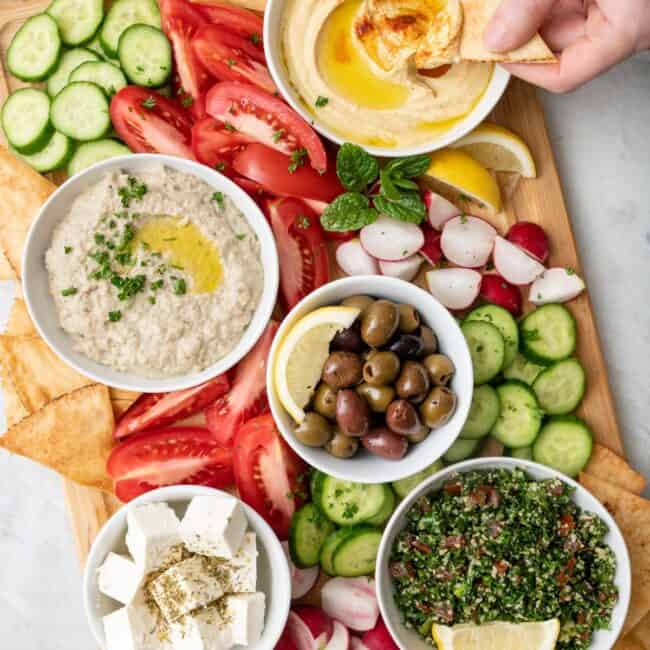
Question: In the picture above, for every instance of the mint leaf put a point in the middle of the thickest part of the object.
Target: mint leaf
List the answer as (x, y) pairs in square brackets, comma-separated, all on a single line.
[(409, 207), (355, 167), (411, 166), (405, 184), (350, 211), (388, 188)]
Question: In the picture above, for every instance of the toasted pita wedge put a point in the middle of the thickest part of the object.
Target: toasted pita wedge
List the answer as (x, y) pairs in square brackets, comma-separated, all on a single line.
[(15, 410), (121, 400), (608, 466), (641, 633), (72, 435), (19, 323), (6, 271), (120, 406), (629, 643)]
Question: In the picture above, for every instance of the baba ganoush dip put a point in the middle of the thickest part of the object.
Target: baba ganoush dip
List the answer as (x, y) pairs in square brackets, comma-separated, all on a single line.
[(154, 273)]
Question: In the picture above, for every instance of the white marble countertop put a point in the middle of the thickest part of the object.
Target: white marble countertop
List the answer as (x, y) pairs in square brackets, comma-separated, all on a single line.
[(601, 136)]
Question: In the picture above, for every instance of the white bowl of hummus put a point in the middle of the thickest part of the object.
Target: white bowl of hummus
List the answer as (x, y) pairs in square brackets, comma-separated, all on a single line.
[(318, 60), (150, 273)]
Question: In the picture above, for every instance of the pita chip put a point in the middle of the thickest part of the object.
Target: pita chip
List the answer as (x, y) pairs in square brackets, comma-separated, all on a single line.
[(641, 633), (7, 273), (19, 323), (120, 406), (608, 466), (629, 643), (15, 410)]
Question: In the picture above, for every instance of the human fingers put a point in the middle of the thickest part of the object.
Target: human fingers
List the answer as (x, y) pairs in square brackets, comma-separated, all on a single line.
[(561, 32), (515, 22)]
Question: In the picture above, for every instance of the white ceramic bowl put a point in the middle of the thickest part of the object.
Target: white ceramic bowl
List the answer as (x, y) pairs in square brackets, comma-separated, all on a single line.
[(407, 639), (273, 26), (272, 567), (366, 467), (42, 308)]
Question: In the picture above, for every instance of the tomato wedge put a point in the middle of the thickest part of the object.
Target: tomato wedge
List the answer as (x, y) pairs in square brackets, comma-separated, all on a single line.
[(246, 398), (236, 19), (268, 119), (173, 456), (304, 263), (151, 123), (214, 145), (160, 409), (269, 476)]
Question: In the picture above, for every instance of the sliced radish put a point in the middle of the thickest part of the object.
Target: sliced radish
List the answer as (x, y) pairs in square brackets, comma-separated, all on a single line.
[(496, 290), (431, 248), (355, 644), (352, 601), (440, 210), (516, 266), (379, 638), (391, 239), (285, 642), (302, 580), (340, 638), (467, 241), (317, 623), (299, 633), (531, 238), (556, 285), (354, 260), (455, 288), (404, 269)]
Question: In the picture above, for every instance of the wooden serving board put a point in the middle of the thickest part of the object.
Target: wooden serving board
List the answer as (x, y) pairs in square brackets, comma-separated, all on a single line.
[(539, 200)]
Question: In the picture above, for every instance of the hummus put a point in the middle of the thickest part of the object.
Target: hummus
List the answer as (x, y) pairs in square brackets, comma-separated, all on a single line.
[(154, 274), (349, 92)]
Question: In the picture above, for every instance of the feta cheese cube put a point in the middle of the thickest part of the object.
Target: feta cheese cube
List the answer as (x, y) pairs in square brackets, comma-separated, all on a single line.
[(153, 536), (214, 526), (245, 617), (119, 578), (205, 629), (243, 567)]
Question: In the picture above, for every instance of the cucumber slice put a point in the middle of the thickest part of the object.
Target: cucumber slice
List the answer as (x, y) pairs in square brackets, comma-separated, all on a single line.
[(35, 49), (483, 413), (548, 334), (520, 418), (501, 319), (356, 555), (26, 120), (78, 20), (406, 485), (309, 529), (523, 370), (487, 348), (145, 56), (524, 453), (80, 111), (69, 61), (384, 514), (347, 503), (460, 450), (96, 47), (561, 387), (123, 14), (89, 153), (564, 443), (105, 75), (329, 547), (55, 155)]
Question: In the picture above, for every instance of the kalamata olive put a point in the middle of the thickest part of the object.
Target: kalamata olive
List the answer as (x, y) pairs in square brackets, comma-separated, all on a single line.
[(402, 418), (342, 369), (383, 442), (360, 302), (409, 319), (341, 446), (438, 407), (413, 382), (325, 401), (440, 368), (352, 413), (381, 368), (420, 436), (406, 346), (348, 340), (378, 397), (314, 430), (379, 323), (429, 341)]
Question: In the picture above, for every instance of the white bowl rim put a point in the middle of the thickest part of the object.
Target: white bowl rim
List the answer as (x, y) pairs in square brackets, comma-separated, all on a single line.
[(97, 554), (490, 98), (623, 567), (129, 381)]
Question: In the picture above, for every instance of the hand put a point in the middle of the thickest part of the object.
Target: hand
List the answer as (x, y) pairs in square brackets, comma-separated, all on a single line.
[(590, 36)]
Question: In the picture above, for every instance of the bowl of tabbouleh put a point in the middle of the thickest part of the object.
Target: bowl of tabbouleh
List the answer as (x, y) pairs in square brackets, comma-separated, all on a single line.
[(503, 540)]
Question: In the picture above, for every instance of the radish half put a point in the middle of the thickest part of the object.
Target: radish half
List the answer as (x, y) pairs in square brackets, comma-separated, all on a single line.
[(379, 638), (352, 601), (431, 248), (556, 285), (531, 238), (439, 209), (354, 260), (404, 269), (302, 580), (455, 288), (467, 241), (516, 266), (340, 638), (310, 625), (391, 239)]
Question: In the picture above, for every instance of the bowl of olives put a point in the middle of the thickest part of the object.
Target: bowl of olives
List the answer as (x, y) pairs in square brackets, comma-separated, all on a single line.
[(394, 389)]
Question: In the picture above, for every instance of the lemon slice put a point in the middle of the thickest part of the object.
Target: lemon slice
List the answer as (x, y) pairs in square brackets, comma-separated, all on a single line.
[(497, 148), (302, 355), (465, 175), (498, 636)]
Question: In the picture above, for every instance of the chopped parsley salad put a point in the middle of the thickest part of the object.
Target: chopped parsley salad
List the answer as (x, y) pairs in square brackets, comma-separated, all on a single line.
[(497, 545)]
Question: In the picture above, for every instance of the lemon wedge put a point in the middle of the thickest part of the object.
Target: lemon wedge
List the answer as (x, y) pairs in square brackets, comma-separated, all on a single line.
[(495, 147), (465, 175), (302, 354), (498, 636)]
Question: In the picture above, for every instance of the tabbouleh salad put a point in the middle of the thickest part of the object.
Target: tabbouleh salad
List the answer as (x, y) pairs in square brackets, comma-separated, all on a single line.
[(499, 546)]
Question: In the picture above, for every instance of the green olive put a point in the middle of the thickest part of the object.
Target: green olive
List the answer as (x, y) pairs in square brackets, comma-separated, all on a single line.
[(341, 446), (360, 302), (378, 397), (381, 368), (429, 341), (421, 435), (413, 382), (314, 430), (441, 368), (409, 318), (438, 407), (379, 323), (325, 401)]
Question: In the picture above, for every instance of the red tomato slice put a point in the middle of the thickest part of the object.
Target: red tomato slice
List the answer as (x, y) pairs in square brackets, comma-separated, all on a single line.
[(214, 145), (239, 21), (304, 263), (151, 123), (270, 169), (269, 476), (265, 117), (173, 456), (253, 188), (160, 409), (247, 397)]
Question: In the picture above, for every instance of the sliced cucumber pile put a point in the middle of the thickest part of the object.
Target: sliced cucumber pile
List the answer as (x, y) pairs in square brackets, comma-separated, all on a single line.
[(103, 74), (78, 20), (561, 387), (35, 49), (89, 153), (145, 56), (80, 111), (407, 485), (309, 530), (523, 369), (520, 417), (460, 450), (487, 348), (564, 443), (548, 334), (70, 60), (503, 320), (56, 154), (123, 14), (483, 413), (26, 120)]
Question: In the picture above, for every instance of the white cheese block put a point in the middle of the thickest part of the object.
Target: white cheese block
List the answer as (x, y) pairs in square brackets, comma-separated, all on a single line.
[(245, 616), (214, 525), (243, 567), (205, 629), (119, 578)]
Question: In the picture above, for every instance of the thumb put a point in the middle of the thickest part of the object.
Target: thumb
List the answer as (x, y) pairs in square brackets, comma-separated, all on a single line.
[(515, 22)]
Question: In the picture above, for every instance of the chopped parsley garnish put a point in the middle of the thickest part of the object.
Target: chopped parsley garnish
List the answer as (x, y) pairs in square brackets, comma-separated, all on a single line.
[(158, 284), (277, 135), (114, 316), (133, 190), (187, 101), (570, 271), (112, 224), (302, 221), (124, 258), (131, 286), (99, 238), (231, 63), (350, 509), (241, 236), (229, 127), (463, 218), (67, 250), (220, 166), (218, 197), (152, 300), (127, 236), (298, 158), (322, 101), (178, 286), (70, 291), (256, 39), (150, 102)]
